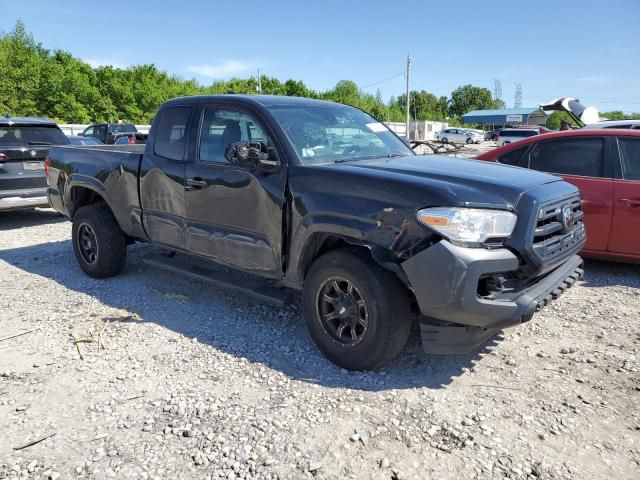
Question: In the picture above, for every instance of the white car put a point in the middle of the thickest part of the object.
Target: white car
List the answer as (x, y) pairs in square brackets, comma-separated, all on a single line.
[(625, 124), (458, 135), (510, 135), (587, 116)]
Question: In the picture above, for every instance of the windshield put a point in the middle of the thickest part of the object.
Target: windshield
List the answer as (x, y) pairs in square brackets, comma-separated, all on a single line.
[(31, 135), (336, 133)]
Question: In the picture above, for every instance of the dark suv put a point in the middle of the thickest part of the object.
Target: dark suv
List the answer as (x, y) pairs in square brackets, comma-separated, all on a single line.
[(24, 144)]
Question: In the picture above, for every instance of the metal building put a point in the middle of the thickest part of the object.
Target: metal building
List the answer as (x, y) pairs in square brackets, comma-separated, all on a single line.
[(507, 117)]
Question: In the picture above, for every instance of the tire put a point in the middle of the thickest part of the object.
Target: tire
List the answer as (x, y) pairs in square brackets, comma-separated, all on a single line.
[(98, 243), (445, 140), (386, 310), (469, 141)]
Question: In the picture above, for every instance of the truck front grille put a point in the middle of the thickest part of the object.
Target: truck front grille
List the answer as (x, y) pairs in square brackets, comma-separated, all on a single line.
[(559, 230)]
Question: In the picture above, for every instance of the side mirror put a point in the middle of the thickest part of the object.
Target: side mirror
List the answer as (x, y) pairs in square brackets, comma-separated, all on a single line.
[(252, 154)]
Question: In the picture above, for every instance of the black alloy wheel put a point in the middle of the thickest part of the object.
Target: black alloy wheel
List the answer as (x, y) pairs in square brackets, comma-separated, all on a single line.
[(342, 311), (87, 244)]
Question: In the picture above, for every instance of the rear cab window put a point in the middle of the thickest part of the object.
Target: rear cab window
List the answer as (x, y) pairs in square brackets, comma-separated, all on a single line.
[(122, 127), (170, 136)]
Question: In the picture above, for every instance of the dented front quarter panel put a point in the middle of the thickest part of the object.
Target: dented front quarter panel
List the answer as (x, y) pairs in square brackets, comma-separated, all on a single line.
[(379, 214)]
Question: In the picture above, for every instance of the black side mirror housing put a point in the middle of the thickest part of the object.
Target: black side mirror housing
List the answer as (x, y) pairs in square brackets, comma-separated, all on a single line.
[(252, 154)]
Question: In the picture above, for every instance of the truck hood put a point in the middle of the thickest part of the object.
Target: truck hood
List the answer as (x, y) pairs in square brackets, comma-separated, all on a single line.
[(465, 182)]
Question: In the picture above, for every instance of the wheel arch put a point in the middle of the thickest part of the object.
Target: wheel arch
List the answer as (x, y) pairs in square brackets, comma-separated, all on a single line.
[(83, 195), (319, 243)]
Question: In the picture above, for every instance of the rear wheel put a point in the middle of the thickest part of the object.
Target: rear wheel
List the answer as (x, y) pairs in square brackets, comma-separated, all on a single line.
[(357, 313), (99, 245)]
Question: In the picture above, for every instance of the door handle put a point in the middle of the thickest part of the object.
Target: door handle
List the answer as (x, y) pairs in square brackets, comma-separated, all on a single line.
[(632, 202), (196, 183)]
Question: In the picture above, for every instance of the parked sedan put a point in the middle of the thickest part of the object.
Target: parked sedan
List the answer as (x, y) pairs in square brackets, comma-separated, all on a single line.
[(458, 135), (605, 166), (492, 134)]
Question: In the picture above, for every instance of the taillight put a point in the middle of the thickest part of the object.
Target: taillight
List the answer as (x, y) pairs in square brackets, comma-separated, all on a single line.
[(47, 167), (132, 140), (3, 158)]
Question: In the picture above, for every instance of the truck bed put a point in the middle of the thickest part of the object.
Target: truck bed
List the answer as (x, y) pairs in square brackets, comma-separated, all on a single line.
[(109, 170)]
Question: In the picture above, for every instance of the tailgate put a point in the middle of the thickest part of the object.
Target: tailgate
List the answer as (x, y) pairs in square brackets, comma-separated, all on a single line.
[(22, 168)]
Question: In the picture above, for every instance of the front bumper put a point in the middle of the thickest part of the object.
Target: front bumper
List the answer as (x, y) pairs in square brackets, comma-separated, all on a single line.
[(20, 199), (445, 279)]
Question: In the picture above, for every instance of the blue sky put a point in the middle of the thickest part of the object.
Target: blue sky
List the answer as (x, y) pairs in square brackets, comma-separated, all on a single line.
[(585, 49)]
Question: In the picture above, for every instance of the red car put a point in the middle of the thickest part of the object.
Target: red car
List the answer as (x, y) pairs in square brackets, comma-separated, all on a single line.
[(605, 166)]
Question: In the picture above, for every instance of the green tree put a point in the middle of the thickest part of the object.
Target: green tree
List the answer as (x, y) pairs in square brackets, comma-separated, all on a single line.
[(68, 90), (21, 64), (553, 120), (619, 115), (425, 106), (467, 98)]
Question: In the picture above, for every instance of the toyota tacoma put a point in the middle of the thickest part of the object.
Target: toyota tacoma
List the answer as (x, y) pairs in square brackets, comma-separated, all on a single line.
[(324, 199)]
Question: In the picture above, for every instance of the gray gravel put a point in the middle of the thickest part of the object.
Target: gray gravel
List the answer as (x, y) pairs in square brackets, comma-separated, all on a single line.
[(183, 381)]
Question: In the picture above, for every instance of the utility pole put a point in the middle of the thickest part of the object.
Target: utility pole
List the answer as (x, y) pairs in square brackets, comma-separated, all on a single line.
[(408, 99), (259, 82)]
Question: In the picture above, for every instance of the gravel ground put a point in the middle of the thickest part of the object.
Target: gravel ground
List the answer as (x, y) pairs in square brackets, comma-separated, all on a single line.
[(178, 380)]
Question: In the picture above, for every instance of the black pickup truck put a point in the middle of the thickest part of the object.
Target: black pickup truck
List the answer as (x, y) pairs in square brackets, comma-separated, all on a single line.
[(322, 198), (109, 133)]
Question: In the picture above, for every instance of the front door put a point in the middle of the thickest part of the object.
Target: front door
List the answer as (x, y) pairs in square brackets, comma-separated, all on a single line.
[(583, 162), (625, 229), (162, 194), (234, 212)]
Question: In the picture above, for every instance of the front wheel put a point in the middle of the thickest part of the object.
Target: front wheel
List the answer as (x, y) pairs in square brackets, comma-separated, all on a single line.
[(99, 245), (469, 141), (357, 313), (445, 140)]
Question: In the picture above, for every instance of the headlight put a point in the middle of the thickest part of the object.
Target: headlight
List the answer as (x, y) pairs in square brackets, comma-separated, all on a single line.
[(468, 225)]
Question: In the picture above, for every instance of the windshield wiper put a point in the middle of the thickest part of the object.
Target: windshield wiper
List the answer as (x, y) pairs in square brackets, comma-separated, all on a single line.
[(390, 155), (38, 143)]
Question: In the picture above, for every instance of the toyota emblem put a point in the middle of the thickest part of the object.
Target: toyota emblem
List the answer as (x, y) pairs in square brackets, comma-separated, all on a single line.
[(568, 218), (33, 153)]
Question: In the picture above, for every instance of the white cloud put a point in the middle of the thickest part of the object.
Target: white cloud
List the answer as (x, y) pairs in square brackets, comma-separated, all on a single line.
[(221, 70), (102, 62)]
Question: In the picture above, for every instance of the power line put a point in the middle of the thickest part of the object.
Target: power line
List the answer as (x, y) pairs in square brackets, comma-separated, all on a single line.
[(382, 81)]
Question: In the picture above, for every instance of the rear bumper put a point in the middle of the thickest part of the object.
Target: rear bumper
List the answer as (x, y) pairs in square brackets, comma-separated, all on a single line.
[(445, 279), (20, 199)]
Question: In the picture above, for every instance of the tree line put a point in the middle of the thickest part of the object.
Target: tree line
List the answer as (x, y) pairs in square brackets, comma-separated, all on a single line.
[(35, 81)]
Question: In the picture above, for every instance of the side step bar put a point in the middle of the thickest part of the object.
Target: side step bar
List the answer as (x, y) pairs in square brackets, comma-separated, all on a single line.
[(220, 277)]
